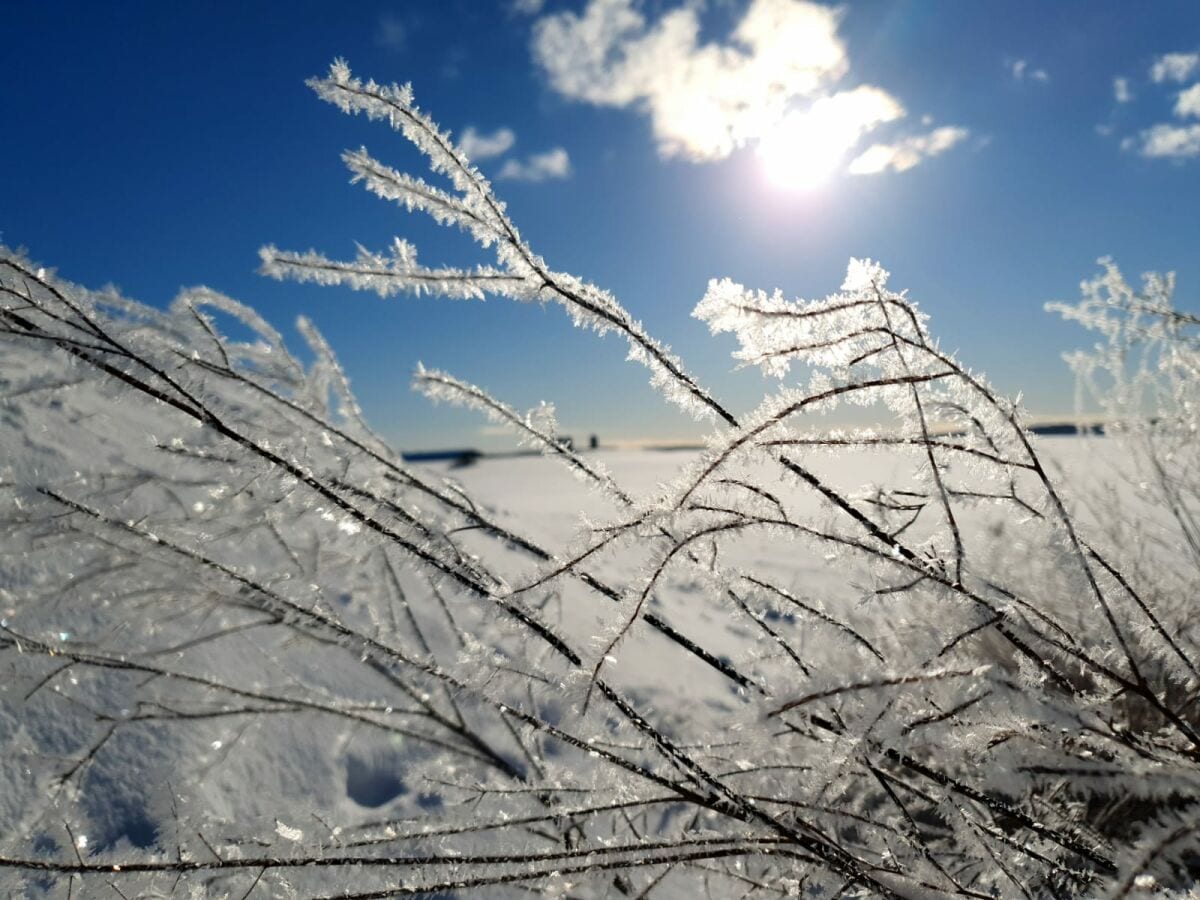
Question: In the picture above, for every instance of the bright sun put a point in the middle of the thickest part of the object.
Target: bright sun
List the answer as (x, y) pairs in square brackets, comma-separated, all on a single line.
[(806, 148), (799, 156)]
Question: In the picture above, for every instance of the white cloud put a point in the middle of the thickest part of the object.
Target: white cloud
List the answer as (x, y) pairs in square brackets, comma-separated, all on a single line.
[(528, 7), (538, 167), (1020, 71), (391, 33), (553, 163), (703, 100), (907, 152), (1167, 141), (1175, 66), (1188, 102), (772, 81), (484, 146), (806, 147)]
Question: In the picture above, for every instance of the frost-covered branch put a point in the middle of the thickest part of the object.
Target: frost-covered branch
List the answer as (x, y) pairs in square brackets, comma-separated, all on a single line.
[(522, 275), (245, 647)]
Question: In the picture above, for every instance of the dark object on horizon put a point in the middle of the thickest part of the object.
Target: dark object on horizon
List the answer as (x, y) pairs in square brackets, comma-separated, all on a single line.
[(593, 442), (457, 458), (1067, 428), (1051, 429)]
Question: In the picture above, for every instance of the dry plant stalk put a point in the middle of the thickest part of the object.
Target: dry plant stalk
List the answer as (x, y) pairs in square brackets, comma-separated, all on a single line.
[(993, 703)]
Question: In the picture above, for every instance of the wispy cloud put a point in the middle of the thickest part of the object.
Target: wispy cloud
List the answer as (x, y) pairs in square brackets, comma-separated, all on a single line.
[(1172, 139), (391, 32), (782, 59), (1175, 67), (1167, 141), (1188, 102), (1122, 92), (1020, 70), (554, 163), (908, 152), (485, 146), (527, 7)]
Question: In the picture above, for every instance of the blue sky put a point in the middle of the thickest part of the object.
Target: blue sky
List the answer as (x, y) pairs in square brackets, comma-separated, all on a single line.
[(159, 145)]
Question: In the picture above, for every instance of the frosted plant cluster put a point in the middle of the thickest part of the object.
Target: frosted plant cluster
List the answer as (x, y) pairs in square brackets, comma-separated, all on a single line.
[(247, 650)]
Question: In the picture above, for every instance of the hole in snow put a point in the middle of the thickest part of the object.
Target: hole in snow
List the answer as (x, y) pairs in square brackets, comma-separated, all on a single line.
[(373, 781)]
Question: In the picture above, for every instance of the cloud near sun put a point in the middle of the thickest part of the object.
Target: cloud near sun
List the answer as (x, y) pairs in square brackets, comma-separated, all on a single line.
[(772, 84)]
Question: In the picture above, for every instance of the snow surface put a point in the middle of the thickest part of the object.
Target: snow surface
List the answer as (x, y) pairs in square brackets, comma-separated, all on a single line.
[(327, 776)]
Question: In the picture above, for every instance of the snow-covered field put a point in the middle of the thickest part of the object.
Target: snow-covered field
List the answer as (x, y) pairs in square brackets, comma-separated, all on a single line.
[(551, 505), (294, 778)]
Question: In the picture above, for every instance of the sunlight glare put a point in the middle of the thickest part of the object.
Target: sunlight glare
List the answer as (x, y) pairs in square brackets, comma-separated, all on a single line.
[(806, 148), (796, 156)]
